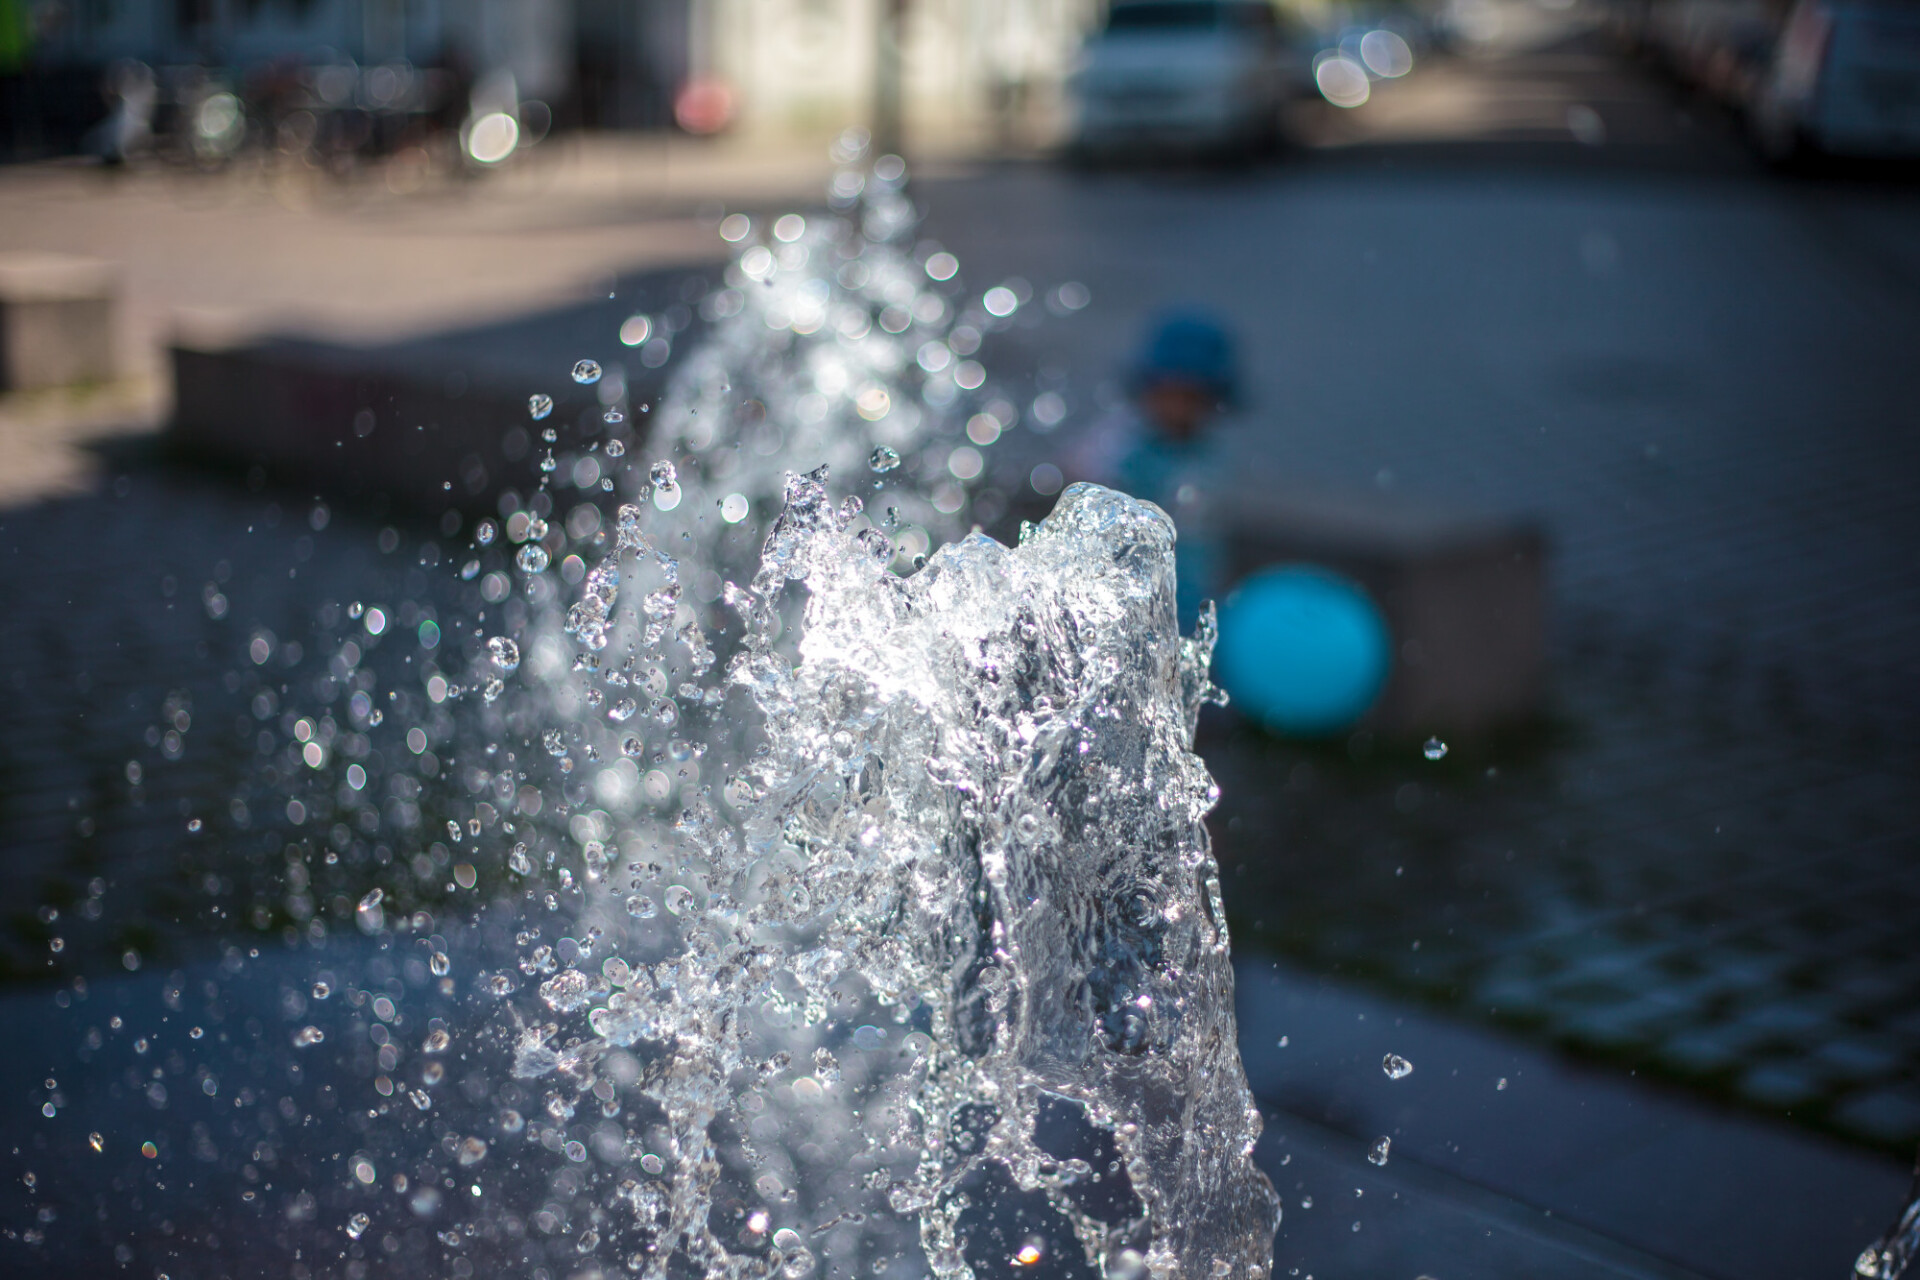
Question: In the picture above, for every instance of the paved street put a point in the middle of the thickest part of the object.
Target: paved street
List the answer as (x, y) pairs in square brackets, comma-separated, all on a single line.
[(1697, 375)]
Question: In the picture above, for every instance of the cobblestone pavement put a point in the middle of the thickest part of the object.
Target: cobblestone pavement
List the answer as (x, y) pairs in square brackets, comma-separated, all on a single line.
[(1701, 881), (133, 705)]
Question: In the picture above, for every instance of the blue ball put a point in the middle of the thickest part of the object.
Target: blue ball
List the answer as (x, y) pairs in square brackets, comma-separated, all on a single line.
[(1302, 650)]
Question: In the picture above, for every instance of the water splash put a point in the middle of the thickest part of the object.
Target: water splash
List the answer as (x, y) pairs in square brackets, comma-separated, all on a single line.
[(780, 905), (974, 814)]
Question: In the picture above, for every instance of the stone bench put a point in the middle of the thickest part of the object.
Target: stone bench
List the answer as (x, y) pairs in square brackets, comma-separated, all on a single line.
[(56, 320), (1464, 597), (350, 422)]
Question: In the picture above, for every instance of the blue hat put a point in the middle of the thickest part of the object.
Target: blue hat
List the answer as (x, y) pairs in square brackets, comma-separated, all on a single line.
[(1188, 346)]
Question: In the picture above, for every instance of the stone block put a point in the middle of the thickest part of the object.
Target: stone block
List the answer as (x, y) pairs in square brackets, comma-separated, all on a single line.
[(1463, 595), (427, 421), (56, 320), (425, 434), (321, 416)]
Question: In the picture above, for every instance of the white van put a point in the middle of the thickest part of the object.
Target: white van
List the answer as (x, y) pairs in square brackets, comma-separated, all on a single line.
[(1192, 75)]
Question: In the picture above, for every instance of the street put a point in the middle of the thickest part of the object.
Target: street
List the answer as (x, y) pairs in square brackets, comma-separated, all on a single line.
[(1695, 374)]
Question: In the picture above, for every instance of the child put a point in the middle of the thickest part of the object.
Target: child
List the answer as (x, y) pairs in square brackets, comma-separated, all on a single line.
[(1159, 447)]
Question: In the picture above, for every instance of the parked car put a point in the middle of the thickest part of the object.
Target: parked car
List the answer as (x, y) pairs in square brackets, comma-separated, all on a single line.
[(1844, 80), (1187, 75)]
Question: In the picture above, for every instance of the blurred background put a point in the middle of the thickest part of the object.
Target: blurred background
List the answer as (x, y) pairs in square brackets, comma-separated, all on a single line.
[(1567, 433)]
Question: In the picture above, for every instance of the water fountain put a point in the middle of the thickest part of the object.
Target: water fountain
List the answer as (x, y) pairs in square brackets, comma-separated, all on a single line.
[(686, 900)]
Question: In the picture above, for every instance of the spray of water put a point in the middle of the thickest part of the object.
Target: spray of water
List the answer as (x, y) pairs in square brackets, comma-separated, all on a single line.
[(963, 877), (1891, 1256), (757, 905)]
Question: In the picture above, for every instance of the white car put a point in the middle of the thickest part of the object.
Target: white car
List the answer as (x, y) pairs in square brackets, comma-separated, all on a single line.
[(1186, 75), (1844, 81)]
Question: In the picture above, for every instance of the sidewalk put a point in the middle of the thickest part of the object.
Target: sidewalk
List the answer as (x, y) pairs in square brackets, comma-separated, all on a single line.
[(1565, 1174), (251, 251), (1508, 1160)]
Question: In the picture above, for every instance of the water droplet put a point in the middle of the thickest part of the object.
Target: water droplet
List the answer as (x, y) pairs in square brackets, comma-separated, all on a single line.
[(437, 1041), (1377, 1153), (533, 558), (307, 1037), (883, 459), (622, 710), (615, 449), (357, 1226), (504, 652), (1396, 1067), (321, 990), (633, 746), (586, 371), (663, 475), (641, 907), (678, 898), (97, 1142), (613, 417), (539, 405), (440, 963), (1434, 749), (1501, 1084), (565, 992)]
